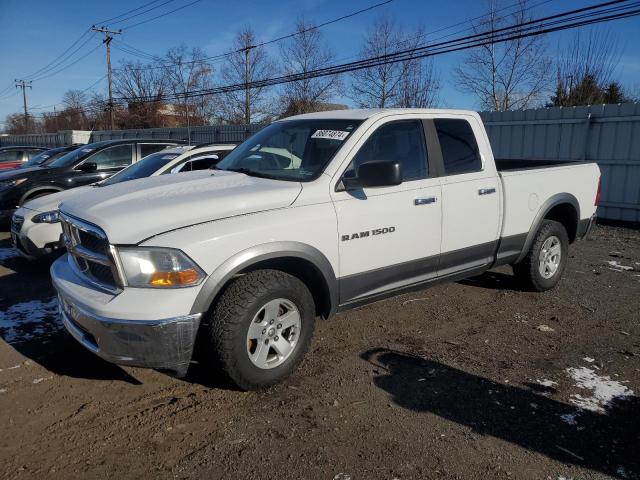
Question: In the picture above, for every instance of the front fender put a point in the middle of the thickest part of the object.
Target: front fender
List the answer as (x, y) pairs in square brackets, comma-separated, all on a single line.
[(256, 254)]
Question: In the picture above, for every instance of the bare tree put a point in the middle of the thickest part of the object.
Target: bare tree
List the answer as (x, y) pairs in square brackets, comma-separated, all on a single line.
[(410, 83), (144, 87), (585, 70), (510, 75), (188, 70), (246, 63), (304, 53)]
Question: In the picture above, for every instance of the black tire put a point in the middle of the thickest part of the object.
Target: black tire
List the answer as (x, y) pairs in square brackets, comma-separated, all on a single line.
[(233, 315), (528, 271)]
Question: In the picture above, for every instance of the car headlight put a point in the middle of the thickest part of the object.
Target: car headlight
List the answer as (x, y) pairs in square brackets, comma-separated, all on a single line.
[(158, 267), (47, 217), (12, 183)]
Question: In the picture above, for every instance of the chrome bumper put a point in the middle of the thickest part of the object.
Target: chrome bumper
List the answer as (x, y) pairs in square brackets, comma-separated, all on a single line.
[(163, 344)]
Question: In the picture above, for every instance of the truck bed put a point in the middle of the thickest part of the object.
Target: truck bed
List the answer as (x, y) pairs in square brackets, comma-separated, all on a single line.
[(511, 164)]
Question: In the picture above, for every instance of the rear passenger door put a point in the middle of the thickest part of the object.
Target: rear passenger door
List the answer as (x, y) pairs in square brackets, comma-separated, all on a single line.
[(471, 209), (389, 237)]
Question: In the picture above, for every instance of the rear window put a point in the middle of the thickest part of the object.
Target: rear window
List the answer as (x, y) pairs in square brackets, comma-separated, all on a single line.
[(459, 147)]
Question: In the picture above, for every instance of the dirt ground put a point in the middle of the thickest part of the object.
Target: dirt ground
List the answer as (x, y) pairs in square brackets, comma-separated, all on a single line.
[(468, 380)]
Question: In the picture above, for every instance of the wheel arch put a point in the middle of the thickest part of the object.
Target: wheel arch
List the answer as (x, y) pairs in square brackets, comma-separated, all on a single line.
[(299, 259), (561, 207)]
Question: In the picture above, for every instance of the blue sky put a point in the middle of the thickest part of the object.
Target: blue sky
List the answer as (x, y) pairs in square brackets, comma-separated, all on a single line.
[(33, 32)]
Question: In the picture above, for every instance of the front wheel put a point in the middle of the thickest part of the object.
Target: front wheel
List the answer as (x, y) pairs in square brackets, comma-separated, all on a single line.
[(261, 328), (542, 267)]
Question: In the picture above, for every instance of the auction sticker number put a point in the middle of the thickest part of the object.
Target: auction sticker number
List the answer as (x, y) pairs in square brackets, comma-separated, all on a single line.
[(330, 134)]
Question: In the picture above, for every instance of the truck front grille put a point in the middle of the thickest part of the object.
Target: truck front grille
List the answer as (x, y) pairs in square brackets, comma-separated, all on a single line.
[(90, 250)]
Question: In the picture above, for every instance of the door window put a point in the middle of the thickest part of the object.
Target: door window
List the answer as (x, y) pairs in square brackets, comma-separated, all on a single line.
[(459, 147), (149, 148), (10, 156), (117, 156), (402, 142)]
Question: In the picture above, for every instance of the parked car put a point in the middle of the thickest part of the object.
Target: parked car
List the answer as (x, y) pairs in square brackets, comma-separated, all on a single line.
[(381, 202), (13, 157), (35, 227), (88, 164)]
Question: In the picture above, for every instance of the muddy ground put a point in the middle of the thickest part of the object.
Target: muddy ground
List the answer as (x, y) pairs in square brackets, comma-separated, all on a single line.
[(475, 379)]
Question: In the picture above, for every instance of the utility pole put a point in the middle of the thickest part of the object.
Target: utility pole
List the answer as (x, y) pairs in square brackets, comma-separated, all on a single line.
[(247, 95), (24, 85), (108, 36)]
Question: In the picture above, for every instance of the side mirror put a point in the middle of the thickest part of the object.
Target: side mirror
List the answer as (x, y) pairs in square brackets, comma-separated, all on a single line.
[(88, 167), (379, 174)]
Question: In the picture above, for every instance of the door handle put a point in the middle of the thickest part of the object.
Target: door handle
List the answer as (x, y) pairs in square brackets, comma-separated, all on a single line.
[(486, 191), (425, 201)]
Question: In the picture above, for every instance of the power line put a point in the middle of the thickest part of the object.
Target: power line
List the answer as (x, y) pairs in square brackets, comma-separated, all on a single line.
[(108, 36), (108, 21), (127, 27), (68, 65), (222, 56), (570, 19)]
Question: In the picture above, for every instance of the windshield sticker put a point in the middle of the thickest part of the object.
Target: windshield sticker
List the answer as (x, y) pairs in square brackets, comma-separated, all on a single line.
[(330, 134)]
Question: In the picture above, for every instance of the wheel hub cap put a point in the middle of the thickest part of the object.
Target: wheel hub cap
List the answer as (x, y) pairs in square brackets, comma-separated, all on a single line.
[(273, 333), (550, 256)]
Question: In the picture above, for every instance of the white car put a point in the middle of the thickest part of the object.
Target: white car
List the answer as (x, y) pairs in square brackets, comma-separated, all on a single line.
[(314, 214), (35, 227)]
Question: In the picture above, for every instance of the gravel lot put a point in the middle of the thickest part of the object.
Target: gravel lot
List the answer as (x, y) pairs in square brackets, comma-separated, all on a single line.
[(469, 380)]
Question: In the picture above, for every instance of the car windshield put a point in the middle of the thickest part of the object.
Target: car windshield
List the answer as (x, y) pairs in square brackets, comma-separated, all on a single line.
[(293, 150), (144, 168), (74, 156), (43, 158)]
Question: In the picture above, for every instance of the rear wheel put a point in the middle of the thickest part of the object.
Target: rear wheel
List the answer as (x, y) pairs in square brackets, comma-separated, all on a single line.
[(261, 327), (542, 267)]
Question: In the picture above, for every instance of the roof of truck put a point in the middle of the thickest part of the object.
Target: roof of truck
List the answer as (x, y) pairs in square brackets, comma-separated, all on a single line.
[(365, 113)]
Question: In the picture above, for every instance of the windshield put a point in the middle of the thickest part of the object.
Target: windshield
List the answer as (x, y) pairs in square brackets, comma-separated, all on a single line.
[(144, 168), (43, 158), (72, 157), (294, 150)]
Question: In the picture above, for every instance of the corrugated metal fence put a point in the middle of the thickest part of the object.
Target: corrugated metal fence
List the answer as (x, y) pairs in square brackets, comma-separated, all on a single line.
[(208, 134), (606, 134)]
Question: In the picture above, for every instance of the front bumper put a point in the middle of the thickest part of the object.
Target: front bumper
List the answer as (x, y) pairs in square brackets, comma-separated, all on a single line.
[(165, 344), (36, 240)]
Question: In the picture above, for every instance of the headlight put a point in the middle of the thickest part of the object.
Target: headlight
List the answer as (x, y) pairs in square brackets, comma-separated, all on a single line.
[(47, 217), (12, 183), (158, 268)]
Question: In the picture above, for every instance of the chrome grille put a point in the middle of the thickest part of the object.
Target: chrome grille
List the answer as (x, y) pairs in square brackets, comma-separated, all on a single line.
[(16, 223), (91, 253)]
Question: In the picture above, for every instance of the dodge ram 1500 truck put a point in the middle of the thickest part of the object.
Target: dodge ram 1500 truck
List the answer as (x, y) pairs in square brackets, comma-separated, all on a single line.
[(312, 215)]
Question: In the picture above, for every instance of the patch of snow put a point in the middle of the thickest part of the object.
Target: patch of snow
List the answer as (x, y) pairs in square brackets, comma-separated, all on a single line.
[(618, 267), (547, 383), (569, 418), (8, 254), (589, 359), (27, 320), (10, 368), (604, 390), (544, 328), (3, 390)]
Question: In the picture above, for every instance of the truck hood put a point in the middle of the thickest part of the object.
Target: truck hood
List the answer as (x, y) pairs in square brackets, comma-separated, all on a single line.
[(130, 212), (52, 202)]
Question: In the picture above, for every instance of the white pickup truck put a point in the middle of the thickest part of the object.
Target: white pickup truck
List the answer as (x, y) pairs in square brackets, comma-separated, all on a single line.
[(312, 215)]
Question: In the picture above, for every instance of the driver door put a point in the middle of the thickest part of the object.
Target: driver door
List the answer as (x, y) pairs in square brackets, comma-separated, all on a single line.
[(108, 161), (389, 237)]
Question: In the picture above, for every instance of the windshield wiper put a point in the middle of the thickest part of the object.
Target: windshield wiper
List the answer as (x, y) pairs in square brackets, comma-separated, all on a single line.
[(251, 173)]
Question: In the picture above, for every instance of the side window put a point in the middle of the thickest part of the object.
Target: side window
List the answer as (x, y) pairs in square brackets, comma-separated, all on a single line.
[(10, 156), (401, 141), (203, 163), (459, 147), (32, 153), (149, 148), (112, 157)]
